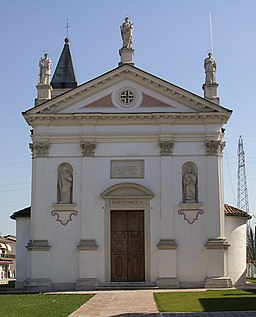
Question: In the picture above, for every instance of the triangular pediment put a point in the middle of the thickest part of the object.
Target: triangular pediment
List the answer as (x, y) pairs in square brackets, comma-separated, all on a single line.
[(127, 89)]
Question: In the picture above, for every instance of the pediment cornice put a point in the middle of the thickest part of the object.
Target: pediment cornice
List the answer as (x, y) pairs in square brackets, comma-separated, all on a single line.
[(126, 118), (158, 85)]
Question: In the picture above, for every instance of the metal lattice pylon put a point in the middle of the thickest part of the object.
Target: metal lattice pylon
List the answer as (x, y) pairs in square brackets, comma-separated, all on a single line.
[(242, 192), (242, 200)]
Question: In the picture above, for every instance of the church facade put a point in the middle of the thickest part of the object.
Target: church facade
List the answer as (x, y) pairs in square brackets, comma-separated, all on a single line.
[(127, 183)]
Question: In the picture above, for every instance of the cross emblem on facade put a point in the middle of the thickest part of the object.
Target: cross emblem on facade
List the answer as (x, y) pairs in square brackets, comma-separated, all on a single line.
[(127, 97)]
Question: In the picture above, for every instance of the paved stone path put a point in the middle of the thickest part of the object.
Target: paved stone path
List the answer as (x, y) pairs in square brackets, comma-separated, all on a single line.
[(119, 303), (136, 303)]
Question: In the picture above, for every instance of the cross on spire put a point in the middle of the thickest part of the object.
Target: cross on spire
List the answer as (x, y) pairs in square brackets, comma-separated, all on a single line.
[(67, 27)]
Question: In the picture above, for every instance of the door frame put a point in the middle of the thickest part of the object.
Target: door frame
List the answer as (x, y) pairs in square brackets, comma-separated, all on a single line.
[(127, 243), (127, 196)]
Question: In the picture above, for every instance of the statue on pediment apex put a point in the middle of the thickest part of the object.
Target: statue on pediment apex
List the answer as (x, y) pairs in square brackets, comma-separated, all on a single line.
[(45, 70), (210, 66), (127, 33)]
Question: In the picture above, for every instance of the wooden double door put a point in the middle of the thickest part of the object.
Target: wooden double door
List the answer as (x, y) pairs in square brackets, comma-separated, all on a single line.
[(127, 246)]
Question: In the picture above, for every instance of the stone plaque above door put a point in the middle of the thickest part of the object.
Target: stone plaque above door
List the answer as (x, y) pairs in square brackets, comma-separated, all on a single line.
[(127, 169)]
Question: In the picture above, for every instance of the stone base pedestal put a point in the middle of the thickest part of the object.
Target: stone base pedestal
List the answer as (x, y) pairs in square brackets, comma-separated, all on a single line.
[(44, 93), (210, 92), (126, 55), (87, 284), (218, 282), (168, 282), (38, 284)]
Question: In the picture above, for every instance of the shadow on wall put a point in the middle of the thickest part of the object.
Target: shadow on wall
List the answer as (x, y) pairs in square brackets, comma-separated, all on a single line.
[(241, 281)]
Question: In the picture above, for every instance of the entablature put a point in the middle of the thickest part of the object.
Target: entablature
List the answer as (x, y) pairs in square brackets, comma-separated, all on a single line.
[(126, 118)]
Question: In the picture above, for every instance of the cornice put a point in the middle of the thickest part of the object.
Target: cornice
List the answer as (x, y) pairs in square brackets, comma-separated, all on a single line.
[(113, 137), (125, 118)]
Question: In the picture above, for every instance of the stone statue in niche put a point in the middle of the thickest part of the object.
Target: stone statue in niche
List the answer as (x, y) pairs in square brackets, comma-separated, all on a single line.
[(45, 70), (126, 33), (189, 182), (210, 69), (65, 185)]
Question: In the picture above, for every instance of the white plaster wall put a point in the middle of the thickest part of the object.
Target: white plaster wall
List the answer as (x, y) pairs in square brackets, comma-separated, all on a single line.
[(167, 263), (23, 234), (163, 177), (236, 235), (191, 252)]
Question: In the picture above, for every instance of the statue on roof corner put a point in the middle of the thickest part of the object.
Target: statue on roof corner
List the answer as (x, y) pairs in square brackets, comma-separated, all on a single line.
[(126, 33), (210, 69), (45, 70)]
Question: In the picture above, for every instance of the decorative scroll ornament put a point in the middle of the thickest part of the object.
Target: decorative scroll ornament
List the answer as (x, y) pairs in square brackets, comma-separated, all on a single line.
[(190, 215), (64, 212), (39, 149), (214, 147), (88, 148), (166, 147)]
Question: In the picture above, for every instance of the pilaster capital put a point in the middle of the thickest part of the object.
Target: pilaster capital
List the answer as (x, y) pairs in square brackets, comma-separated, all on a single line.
[(214, 147), (88, 148), (39, 149), (166, 147)]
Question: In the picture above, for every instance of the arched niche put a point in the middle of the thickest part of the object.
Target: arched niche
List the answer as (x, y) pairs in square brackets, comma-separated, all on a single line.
[(189, 183), (65, 183)]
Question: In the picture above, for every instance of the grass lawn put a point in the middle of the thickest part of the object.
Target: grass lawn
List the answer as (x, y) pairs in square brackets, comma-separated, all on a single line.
[(40, 305), (206, 301), (251, 280)]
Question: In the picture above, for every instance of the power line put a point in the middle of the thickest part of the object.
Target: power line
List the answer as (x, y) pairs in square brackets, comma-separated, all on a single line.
[(14, 184), (13, 190)]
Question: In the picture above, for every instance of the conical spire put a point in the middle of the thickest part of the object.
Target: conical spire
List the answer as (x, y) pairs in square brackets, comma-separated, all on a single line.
[(64, 76)]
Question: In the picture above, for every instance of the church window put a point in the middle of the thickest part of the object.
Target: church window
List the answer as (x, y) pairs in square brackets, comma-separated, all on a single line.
[(127, 97)]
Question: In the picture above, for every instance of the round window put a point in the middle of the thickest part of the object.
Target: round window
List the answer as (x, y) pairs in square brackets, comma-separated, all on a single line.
[(127, 97)]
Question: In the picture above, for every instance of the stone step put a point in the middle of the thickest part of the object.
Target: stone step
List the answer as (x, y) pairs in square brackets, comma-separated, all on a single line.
[(127, 286)]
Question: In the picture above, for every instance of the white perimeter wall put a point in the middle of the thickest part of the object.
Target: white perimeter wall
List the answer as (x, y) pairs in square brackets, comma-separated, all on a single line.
[(236, 235)]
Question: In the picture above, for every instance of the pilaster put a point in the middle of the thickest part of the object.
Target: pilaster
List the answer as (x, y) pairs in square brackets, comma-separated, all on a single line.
[(87, 265), (217, 266), (38, 275), (215, 199)]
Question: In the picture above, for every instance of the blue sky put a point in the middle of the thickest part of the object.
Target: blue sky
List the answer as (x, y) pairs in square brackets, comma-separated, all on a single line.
[(171, 40)]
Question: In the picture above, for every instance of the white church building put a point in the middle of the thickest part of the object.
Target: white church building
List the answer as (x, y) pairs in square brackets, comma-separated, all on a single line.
[(127, 183)]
